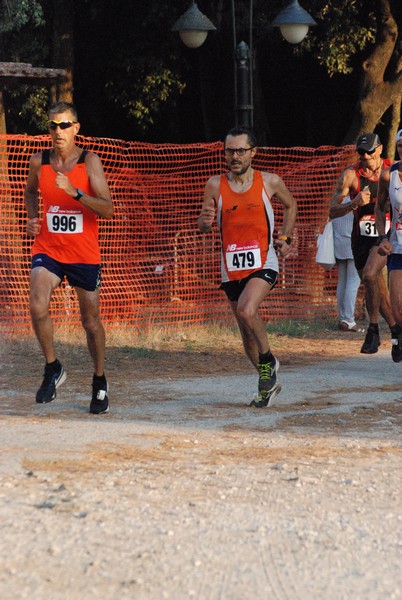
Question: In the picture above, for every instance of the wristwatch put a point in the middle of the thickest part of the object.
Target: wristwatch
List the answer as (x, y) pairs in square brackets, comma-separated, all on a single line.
[(285, 238), (79, 195)]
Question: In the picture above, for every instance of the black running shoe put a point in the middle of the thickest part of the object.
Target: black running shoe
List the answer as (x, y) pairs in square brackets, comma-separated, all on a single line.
[(396, 351), (52, 379), (100, 401), (371, 343), (267, 380), (265, 398)]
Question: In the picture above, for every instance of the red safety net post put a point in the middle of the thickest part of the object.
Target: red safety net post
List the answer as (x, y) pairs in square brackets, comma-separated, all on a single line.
[(157, 268)]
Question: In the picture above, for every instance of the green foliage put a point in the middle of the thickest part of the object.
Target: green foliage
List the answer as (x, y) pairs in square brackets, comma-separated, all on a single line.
[(22, 28), (345, 28), (26, 109), (35, 108), (145, 98), (15, 14), (135, 66), (23, 39)]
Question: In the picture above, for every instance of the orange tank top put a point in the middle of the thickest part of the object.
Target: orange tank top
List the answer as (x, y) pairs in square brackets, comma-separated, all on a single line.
[(69, 230), (246, 222)]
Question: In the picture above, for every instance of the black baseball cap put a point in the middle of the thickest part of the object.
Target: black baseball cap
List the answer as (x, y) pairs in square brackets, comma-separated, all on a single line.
[(368, 142)]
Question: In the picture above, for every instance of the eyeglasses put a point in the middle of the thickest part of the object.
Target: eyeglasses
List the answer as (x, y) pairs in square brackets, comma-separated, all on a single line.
[(238, 151), (53, 125), (369, 152)]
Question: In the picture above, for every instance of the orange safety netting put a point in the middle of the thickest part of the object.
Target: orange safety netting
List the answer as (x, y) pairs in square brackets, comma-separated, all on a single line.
[(158, 269)]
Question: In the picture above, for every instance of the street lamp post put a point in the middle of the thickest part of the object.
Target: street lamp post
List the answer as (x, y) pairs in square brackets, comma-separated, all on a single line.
[(244, 107), (193, 27)]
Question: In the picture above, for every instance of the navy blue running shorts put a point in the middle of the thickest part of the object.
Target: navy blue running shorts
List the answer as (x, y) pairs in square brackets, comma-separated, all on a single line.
[(394, 262), (87, 277), (233, 289)]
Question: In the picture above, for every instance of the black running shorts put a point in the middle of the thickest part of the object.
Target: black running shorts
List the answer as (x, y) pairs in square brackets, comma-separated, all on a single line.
[(233, 289), (87, 277), (394, 262)]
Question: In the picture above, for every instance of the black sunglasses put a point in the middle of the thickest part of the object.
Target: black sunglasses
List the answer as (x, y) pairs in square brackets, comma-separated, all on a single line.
[(53, 125), (369, 152)]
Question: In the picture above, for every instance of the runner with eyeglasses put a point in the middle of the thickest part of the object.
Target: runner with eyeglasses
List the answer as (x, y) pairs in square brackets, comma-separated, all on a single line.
[(241, 201), (75, 193), (360, 183)]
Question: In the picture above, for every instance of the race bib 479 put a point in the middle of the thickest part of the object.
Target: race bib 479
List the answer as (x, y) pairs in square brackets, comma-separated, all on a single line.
[(242, 258)]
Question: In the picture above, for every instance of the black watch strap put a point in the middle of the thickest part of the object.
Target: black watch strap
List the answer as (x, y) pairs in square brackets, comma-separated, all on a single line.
[(79, 195)]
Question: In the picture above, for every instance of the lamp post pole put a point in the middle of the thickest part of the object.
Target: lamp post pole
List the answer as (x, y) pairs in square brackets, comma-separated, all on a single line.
[(244, 109), (243, 73), (193, 28)]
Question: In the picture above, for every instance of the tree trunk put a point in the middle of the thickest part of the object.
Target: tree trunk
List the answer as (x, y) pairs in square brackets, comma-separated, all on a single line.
[(394, 119), (3, 126), (377, 92), (63, 48)]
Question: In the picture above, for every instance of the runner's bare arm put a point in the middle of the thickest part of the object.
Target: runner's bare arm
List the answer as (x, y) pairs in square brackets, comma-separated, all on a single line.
[(380, 211), (382, 204), (275, 186), (32, 186), (346, 187), (208, 208), (31, 195)]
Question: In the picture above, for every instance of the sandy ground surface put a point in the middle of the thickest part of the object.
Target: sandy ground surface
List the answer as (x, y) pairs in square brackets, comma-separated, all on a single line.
[(183, 491)]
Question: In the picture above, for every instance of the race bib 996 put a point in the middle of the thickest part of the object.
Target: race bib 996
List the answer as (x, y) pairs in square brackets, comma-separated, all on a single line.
[(64, 222)]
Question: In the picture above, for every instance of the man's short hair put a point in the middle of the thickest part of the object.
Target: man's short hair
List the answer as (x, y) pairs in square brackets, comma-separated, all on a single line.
[(242, 130), (60, 107)]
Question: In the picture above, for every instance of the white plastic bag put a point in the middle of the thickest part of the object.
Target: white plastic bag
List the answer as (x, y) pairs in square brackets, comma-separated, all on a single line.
[(325, 248)]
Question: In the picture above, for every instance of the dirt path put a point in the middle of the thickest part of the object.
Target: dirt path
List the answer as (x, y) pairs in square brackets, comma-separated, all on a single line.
[(185, 492)]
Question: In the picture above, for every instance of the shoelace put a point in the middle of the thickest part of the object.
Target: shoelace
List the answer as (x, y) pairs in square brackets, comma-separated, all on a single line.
[(265, 370)]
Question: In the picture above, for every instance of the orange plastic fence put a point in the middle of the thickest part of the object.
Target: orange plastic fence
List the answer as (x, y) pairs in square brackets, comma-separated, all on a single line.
[(158, 269)]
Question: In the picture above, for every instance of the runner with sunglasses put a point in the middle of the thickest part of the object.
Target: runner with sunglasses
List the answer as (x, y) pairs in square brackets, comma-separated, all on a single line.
[(241, 201), (360, 183), (75, 193)]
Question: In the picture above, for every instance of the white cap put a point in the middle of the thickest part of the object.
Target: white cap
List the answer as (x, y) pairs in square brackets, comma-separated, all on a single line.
[(399, 136)]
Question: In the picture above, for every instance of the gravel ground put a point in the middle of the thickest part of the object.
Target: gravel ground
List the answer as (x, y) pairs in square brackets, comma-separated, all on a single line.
[(182, 491)]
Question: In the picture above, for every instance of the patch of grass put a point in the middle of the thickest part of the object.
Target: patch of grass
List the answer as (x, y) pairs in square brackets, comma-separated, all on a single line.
[(191, 338), (133, 343), (138, 352), (215, 337), (297, 329)]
